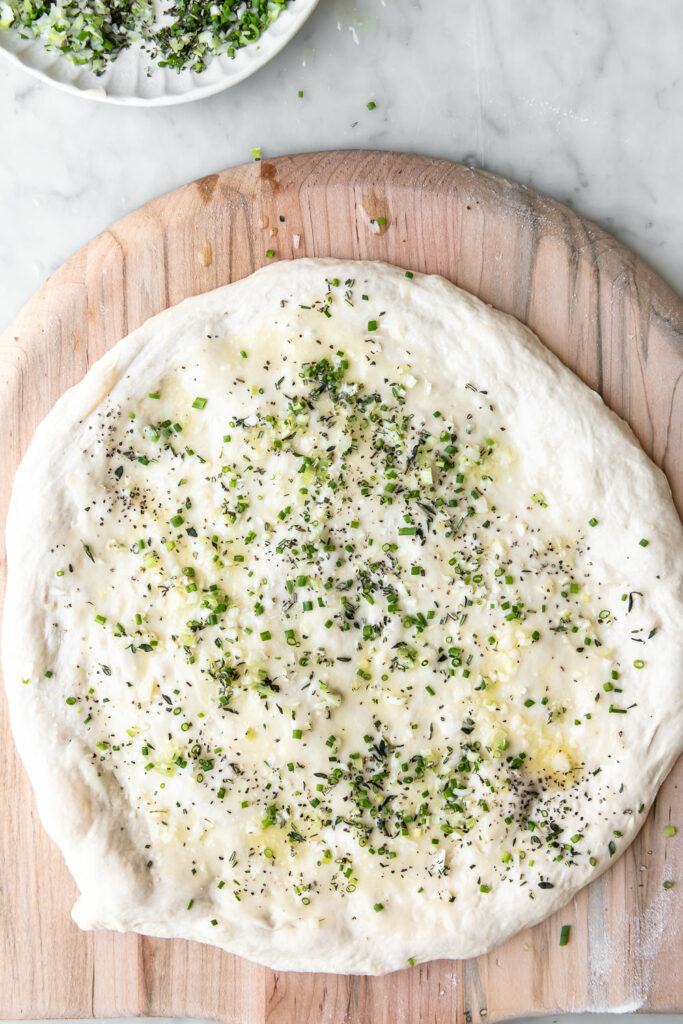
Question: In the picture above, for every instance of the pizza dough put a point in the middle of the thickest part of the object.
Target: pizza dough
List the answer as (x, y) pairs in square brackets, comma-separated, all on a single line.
[(342, 625)]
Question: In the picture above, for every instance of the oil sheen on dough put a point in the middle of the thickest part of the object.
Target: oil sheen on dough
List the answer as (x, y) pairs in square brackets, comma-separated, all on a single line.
[(342, 624)]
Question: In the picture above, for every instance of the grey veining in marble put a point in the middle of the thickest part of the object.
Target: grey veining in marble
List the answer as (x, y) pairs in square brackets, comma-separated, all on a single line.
[(582, 99)]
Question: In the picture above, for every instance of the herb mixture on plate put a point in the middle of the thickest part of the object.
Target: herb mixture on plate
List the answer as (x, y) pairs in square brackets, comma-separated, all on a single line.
[(184, 34)]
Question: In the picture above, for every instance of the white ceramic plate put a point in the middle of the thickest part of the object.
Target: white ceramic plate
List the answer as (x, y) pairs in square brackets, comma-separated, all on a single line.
[(126, 80)]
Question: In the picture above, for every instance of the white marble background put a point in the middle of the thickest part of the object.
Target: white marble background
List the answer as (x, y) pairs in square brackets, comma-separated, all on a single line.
[(582, 99)]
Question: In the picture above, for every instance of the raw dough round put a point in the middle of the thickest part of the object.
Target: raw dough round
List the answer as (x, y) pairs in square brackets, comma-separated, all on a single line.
[(342, 625)]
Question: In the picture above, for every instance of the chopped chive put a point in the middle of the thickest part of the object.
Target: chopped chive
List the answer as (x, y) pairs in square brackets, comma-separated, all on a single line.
[(564, 934), (199, 403)]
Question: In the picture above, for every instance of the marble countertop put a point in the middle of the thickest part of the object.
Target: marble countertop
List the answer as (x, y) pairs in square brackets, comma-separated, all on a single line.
[(581, 99)]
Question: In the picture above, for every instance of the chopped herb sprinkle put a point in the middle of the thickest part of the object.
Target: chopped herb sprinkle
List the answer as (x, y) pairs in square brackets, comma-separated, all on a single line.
[(333, 591)]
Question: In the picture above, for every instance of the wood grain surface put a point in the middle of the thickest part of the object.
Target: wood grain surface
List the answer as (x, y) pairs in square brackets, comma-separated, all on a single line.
[(605, 313)]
